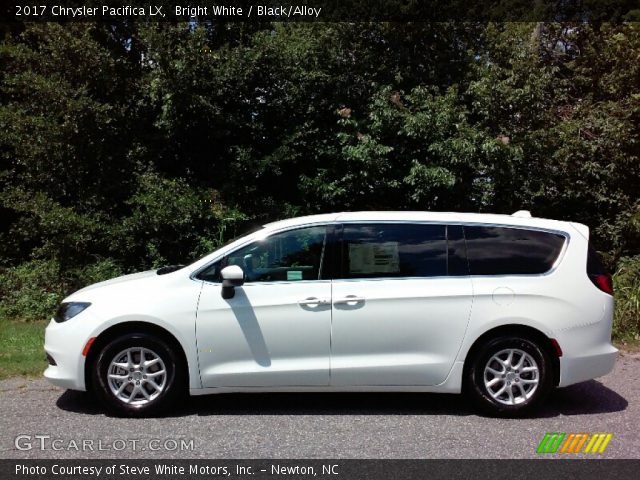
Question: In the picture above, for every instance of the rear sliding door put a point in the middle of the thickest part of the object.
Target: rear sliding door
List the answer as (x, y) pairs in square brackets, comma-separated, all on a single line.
[(401, 303)]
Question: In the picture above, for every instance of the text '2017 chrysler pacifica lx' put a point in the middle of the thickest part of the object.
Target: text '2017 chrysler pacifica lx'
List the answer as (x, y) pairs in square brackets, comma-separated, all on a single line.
[(502, 308)]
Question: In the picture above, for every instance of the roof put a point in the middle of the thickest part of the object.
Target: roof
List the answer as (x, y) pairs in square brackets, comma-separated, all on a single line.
[(520, 218)]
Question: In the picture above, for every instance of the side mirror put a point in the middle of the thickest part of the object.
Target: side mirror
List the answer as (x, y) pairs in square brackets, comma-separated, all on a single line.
[(232, 276)]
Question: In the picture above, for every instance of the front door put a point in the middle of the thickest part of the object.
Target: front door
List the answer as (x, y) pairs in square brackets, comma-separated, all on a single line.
[(276, 330)]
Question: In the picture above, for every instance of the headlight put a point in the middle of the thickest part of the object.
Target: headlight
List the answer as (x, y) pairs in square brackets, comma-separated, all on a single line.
[(69, 310)]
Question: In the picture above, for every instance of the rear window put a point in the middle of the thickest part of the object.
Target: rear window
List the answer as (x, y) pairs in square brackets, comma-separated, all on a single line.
[(511, 251)]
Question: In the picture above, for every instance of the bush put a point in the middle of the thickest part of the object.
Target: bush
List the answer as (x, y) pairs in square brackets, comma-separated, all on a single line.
[(31, 291), (626, 282), (170, 222), (94, 273)]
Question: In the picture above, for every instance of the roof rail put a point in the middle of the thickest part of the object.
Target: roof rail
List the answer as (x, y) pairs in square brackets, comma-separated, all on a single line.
[(522, 214)]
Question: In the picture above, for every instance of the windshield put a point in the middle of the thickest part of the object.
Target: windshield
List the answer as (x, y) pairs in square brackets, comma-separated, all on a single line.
[(236, 238)]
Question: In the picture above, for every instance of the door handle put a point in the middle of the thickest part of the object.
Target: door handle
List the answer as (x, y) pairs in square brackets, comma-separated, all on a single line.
[(349, 299), (314, 301)]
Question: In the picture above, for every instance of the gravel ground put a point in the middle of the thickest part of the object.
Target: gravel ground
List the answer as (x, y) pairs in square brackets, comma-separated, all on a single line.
[(390, 425)]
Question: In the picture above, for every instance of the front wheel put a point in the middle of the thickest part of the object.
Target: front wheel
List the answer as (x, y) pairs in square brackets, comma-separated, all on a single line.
[(509, 376), (137, 375)]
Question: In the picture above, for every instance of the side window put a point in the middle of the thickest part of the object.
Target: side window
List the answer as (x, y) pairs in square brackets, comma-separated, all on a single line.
[(511, 251), (288, 256), (393, 250), (457, 252)]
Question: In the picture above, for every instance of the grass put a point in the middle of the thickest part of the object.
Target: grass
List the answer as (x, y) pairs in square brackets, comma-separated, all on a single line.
[(21, 348)]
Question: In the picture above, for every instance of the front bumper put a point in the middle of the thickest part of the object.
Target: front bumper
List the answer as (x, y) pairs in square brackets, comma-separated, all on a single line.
[(64, 342)]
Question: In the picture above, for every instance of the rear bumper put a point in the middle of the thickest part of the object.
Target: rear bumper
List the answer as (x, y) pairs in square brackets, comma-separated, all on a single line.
[(576, 369)]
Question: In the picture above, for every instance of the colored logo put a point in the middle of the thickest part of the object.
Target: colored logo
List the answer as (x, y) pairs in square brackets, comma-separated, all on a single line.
[(574, 442)]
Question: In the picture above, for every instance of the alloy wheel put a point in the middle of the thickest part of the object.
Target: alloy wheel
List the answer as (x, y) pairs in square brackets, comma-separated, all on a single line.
[(137, 376), (511, 376)]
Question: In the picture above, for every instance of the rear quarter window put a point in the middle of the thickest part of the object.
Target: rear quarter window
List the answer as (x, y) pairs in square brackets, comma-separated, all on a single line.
[(594, 263), (511, 251)]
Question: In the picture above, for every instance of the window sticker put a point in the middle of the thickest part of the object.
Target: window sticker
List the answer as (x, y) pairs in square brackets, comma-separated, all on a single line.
[(294, 275), (367, 258)]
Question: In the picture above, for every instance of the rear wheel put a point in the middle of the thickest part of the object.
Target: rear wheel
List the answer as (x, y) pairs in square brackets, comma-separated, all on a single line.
[(138, 375), (509, 376)]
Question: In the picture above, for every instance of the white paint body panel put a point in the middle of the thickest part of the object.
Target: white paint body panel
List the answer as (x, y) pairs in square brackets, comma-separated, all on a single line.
[(167, 301), (403, 332), (263, 337), (407, 335)]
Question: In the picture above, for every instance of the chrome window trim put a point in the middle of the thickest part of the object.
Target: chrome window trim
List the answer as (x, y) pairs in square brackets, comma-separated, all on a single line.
[(554, 267), (402, 279), (276, 282)]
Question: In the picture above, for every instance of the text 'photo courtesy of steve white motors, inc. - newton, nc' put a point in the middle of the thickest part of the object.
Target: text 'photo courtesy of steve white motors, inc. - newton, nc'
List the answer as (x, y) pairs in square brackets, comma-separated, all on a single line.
[(160, 469), (160, 11)]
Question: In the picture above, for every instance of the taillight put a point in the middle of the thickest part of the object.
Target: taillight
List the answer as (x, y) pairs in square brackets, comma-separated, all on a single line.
[(597, 273), (603, 282)]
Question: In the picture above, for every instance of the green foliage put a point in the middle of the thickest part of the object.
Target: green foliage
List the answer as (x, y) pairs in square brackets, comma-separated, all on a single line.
[(65, 106), (45, 229), (626, 283), (128, 146), (31, 290), (170, 222), (98, 271)]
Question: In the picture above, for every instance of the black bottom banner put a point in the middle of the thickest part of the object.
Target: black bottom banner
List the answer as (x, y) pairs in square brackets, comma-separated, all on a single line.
[(318, 468)]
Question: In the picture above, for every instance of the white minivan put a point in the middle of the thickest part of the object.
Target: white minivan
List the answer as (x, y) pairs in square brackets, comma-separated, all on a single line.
[(502, 308)]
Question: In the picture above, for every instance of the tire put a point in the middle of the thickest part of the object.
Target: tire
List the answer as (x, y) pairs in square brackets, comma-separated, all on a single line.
[(130, 389), (519, 365)]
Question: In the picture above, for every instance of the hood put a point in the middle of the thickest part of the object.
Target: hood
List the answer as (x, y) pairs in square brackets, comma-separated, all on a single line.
[(125, 279)]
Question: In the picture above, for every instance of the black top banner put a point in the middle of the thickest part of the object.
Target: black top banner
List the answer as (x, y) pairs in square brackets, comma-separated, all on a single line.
[(323, 10)]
